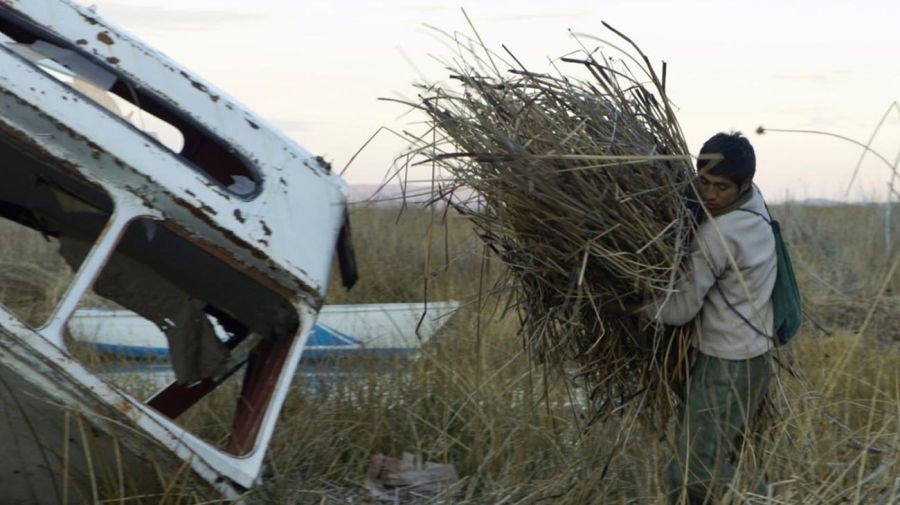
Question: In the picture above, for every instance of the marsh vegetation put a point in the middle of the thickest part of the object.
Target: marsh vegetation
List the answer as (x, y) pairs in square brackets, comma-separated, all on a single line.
[(518, 433)]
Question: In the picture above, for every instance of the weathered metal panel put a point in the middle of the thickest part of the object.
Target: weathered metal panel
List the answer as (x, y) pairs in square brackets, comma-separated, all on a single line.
[(282, 234), (300, 195)]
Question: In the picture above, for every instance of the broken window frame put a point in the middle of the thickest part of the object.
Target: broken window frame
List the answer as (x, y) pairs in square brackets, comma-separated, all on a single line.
[(264, 360)]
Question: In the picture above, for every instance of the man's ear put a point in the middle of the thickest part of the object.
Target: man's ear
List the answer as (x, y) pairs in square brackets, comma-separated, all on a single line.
[(745, 186)]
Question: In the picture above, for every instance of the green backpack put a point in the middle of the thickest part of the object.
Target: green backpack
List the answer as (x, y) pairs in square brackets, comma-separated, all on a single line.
[(786, 302)]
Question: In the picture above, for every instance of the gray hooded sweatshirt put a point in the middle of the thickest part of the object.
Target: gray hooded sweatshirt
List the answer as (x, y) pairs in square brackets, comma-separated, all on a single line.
[(732, 262)]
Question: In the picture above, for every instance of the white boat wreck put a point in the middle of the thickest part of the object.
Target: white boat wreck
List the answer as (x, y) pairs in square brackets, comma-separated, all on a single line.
[(170, 198), (375, 329)]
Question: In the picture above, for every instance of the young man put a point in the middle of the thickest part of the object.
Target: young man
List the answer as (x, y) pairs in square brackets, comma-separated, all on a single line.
[(727, 294)]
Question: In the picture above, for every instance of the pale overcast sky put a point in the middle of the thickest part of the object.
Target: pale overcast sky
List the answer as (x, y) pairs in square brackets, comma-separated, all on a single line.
[(317, 68)]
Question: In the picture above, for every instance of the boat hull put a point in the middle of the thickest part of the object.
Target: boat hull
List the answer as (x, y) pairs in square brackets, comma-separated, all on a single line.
[(372, 330)]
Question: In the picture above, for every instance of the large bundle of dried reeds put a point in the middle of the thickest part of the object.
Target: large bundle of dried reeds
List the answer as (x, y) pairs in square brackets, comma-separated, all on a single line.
[(581, 187)]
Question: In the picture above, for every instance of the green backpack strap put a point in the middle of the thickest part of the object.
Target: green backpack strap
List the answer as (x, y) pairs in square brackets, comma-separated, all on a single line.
[(786, 302)]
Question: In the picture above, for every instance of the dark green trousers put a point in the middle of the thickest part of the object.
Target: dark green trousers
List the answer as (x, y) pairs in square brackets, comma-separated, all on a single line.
[(721, 396)]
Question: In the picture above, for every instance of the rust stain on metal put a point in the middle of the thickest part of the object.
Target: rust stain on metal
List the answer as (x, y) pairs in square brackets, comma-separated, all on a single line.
[(206, 208), (200, 86), (81, 42), (125, 407), (252, 124), (112, 60), (226, 256), (321, 161), (240, 217), (190, 193), (105, 38), (266, 229), (26, 140), (263, 242), (256, 253)]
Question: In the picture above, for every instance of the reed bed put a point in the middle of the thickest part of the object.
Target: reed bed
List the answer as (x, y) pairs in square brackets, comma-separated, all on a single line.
[(473, 401), (582, 187), (516, 436)]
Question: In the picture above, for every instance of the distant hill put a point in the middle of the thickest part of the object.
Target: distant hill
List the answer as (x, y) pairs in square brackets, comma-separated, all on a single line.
[(819, 202)]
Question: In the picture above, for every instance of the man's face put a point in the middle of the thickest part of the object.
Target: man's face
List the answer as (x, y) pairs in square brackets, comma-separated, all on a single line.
[(718, 191)]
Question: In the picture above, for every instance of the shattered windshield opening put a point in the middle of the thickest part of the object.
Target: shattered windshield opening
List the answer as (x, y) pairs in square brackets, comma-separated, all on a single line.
[(170, 323)]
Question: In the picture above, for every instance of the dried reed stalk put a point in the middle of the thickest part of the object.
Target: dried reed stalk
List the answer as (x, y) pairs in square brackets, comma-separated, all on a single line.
[(582, 188)]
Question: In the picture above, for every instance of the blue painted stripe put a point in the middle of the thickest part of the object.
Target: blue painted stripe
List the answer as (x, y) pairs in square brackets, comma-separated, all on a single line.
[(323, 343), (138, 366), (326, 335), (132, 351)]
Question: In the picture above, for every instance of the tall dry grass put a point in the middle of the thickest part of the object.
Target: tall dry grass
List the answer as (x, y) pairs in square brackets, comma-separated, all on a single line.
[(33, 276), (473, 399), (843, 255), (516, 435)]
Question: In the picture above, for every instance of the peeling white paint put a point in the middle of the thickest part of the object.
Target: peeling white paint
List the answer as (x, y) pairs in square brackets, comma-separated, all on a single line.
[(296, 212)]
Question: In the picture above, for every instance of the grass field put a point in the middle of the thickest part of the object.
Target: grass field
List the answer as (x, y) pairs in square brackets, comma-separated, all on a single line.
[(517, 434)]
